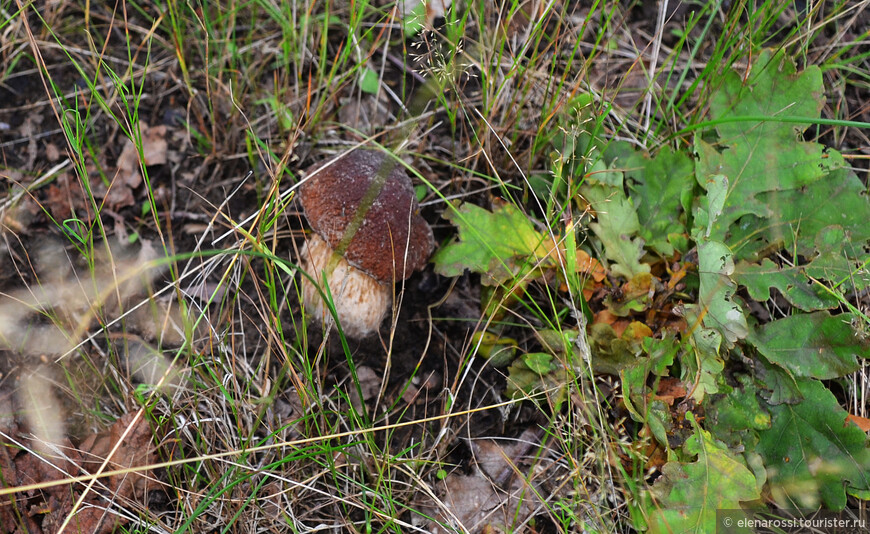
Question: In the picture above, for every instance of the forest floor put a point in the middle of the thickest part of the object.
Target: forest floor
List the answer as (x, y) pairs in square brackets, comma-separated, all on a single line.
[(158, 372)]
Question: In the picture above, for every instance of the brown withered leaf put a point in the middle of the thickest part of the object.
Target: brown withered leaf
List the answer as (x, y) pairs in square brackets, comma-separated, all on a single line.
[(136, 450), (44, 510), (589, 265), (28, 130), (369, 385), (154, 148), (495, 497), (52, 152), (618, 324), (64, 196), (671, 389), (154, 152), (116, 196)]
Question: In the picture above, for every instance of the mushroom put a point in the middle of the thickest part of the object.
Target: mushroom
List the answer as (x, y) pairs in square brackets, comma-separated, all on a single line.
[(368, 233)]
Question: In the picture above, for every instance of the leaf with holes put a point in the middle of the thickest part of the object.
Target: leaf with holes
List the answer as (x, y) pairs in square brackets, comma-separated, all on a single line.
[(782, 190), (792, 282), (811, 345), (811, 453), (763, 156)]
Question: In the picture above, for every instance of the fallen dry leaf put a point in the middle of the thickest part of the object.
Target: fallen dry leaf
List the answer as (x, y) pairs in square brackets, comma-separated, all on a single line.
[(473, 504), (44, 510), (421, 388), (52, 153), (617, 323), (136, 450), (492, 499), (129, 177), (154, 148), (589, 265), (369, 384), (29, 130), (671, 389), (64, 196)]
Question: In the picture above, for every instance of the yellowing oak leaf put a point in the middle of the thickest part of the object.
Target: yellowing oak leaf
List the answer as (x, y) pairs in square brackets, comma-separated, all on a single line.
[(498, 245)]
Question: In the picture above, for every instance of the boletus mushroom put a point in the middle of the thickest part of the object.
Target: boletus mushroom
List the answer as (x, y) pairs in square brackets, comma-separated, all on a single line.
[(368, 234)]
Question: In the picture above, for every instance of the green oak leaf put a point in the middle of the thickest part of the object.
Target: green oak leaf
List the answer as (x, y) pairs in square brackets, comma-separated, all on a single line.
[(710, 206), (812, 345), (779, 385), (660, 356), (617, 223), (811, 453), (539, 362), (661, 353), (766, 156), (611, 353), (798, 216), (498, 350), (538, 372), (735, 416), (369, 81), (497, 244), (660, 420), (636, 296), (792, 282), (715, 266), (834, 261), (656, 186), (702, 366), (556, 341), (688, 494), (772, 88), (414, 19)]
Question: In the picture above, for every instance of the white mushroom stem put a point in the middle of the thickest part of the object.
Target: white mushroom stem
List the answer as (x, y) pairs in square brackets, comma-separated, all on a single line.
[(361, 302)]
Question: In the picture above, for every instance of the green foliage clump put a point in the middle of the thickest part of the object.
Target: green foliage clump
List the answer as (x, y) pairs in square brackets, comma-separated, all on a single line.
[(750, 208)]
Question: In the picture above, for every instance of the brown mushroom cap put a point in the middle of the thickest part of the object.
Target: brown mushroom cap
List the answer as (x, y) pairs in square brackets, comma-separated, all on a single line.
[(332, 201)]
